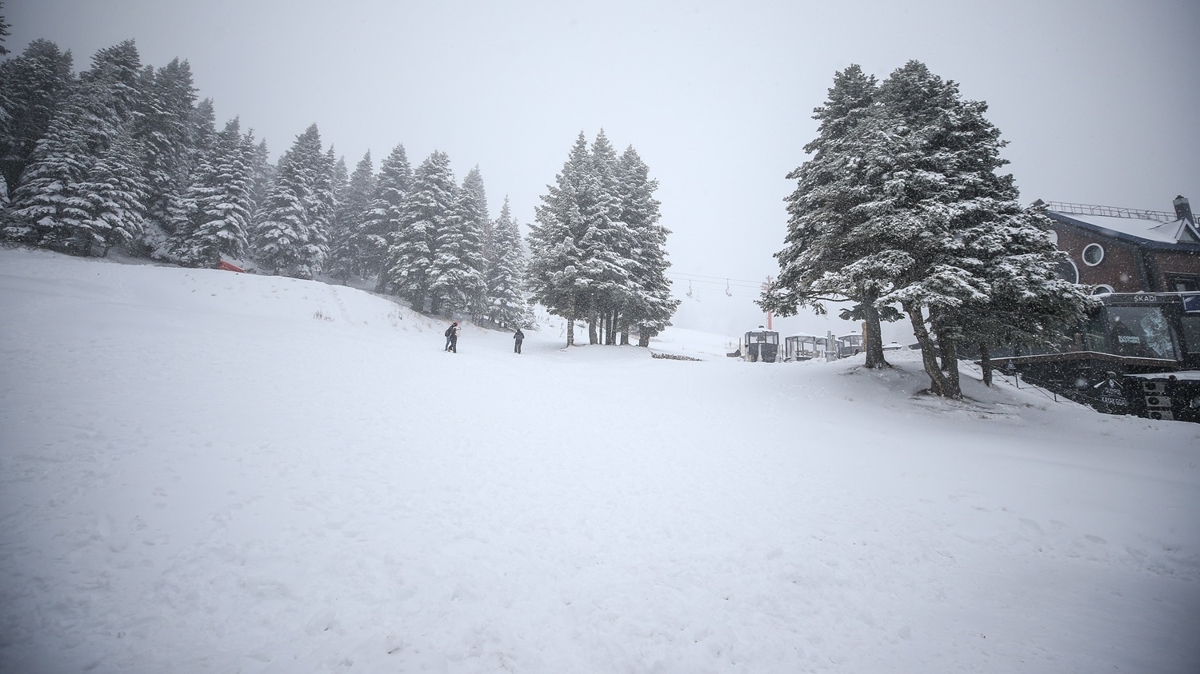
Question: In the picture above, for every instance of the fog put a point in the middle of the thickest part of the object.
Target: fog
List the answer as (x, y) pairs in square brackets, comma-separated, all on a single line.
[(1097, 99)]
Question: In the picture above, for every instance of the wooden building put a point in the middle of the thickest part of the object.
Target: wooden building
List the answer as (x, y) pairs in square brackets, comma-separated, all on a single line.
[(1127, 250)]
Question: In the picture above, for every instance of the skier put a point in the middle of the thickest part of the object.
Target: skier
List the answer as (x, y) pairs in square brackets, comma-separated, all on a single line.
[(518, 337), (452, 337)]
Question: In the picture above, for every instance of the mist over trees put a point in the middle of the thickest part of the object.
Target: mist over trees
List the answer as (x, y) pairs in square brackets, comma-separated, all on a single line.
[(124, 155), (901, 212)]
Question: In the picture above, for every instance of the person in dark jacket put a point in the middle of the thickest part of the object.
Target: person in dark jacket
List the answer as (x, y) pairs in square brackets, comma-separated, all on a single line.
[(518, 337), (452, 337)]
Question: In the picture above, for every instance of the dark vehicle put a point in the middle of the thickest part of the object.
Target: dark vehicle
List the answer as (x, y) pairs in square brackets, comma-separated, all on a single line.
[(1136, 354), (761, 345)]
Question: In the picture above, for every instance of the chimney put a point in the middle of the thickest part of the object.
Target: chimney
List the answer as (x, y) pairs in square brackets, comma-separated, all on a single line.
[(1183, 210)]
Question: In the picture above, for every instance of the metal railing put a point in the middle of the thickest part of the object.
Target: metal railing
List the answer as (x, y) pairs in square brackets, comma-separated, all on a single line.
[(1110, 211)]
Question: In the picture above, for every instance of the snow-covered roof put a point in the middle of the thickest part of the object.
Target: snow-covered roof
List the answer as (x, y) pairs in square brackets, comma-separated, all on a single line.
[(1134, 229)]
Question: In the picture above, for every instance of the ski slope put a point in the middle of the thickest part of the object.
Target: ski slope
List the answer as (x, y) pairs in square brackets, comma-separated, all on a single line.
[(203, 471)]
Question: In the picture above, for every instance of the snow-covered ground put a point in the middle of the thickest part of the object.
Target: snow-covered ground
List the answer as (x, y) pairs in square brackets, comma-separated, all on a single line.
[(202, 471)]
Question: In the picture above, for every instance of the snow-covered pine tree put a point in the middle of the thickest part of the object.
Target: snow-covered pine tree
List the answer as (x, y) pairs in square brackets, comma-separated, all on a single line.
[(115, 192), (345, 246), (430, 202), (477, 212), (33, 87), (50, 205), (941, 194), (216, 219), (4, 32), (649, 305), (507, 307), (457, 283), (381, 221), (263, 176), (163, 125), (607, 244), (290, 235), (821, 261), (1029, 304), (556, 259)]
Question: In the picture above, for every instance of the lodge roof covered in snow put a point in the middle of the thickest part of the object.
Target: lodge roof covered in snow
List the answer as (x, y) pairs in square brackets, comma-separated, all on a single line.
[(1144, 228)]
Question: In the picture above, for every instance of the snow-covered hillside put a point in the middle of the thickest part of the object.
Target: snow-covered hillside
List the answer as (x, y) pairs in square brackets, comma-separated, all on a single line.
[(203, 471)]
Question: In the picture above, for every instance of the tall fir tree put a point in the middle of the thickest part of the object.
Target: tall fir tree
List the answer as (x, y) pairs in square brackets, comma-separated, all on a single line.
[(649, 305), (4, 32), (51, 204), (557, 260), (505, 279), (457, 283), (163, 125), (346, 254), (607, 244), (263, 172), (216, 218), (115, 192), (381, 221), (902, 205), (33, 87), (290, 236), (821, 261), (424, 214)]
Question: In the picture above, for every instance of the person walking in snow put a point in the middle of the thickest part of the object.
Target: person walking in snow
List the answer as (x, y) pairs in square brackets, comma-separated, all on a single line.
[(452, 337), (518, 337)]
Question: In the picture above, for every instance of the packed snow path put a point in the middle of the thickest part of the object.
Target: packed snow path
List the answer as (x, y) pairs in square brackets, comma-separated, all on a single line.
[(203, 471)]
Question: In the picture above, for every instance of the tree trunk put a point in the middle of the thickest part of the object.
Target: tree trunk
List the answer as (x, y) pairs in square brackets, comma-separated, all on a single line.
[(571, 324), (643, 336), (593, 338), (950, 366), (985, 364), (872, 337), (937, 380)]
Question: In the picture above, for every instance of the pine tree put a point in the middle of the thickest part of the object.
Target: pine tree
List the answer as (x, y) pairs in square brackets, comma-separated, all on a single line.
[(216, 219), (51, 204), (4, 32), (557, 260), (821, 261), (607, 244), (33, 88), (424, 214), (291, 233), (457, 282), (381, 221), (649, 304), (164, 127), (1029, 304), (115, 192), (346, 254), (263, 173), (505, 280)]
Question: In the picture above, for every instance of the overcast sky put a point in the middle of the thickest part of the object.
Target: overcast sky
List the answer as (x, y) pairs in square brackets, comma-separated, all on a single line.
[(1098, 99)]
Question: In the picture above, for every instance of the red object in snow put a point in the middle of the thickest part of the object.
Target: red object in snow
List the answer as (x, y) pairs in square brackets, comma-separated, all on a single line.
[(229, 267)]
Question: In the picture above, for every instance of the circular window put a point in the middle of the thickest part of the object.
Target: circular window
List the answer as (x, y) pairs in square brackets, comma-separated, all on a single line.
[(1101, 289), (1067, 270), (1093, 254), (1053, 236)]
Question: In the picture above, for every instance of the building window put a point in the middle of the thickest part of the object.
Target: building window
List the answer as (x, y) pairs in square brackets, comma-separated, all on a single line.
[(1182, 283), (1067, 270), (1093, 254), (1102, 289)]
